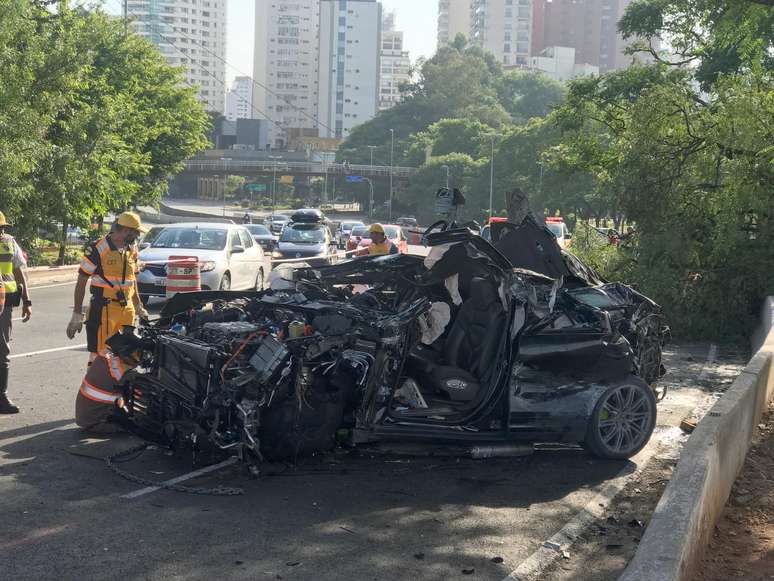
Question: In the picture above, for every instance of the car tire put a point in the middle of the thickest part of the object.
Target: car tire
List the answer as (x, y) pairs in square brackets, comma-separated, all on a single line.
[(225, 282), (622, 421), (259, 280)]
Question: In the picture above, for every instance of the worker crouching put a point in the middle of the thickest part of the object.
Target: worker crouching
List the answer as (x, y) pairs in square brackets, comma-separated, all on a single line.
[(100, 392)]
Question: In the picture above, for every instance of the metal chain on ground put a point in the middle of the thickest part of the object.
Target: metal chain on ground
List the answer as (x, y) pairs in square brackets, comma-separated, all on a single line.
[(113, 459)]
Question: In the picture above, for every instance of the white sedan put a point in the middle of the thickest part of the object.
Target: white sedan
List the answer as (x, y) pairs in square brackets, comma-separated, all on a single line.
[(228, 257)]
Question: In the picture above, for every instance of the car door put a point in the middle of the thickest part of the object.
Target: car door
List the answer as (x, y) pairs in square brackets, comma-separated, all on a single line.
[(253, 257), (236, 260)]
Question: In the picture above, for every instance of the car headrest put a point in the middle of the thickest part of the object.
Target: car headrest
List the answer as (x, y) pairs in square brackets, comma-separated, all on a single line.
[(483, 293)]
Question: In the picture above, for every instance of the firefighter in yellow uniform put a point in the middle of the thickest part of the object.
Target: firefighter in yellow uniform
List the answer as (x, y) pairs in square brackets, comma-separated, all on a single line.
[(380, 244), (99, 392), (111, 264)]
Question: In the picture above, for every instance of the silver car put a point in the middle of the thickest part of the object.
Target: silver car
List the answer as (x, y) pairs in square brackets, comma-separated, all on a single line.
[(228, 256), (344, 231), (276, 222)]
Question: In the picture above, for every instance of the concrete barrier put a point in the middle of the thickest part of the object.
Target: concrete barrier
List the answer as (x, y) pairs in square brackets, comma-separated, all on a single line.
[(693, 501), (192, 216)]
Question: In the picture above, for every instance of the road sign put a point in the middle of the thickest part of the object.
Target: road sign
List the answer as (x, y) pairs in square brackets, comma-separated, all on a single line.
[(255, 187), (355, 179)]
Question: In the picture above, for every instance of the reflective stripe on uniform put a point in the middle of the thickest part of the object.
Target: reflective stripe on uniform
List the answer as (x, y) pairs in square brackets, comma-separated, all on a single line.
[(111, 282), (98, 395), (102, 246), (7, 250), (88, 266)]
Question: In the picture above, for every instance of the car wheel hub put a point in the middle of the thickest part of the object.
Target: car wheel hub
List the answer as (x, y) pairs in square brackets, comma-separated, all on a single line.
[(624, 418)]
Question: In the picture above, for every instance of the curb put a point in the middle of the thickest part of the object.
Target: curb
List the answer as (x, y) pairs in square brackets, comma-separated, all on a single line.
[(693, 501), (38, 275)]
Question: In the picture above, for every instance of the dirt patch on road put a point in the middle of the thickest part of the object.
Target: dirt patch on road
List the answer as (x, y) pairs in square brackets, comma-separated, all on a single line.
[(742, 546)]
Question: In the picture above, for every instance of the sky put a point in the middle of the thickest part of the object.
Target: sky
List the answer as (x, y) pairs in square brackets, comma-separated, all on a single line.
[(418, 19)]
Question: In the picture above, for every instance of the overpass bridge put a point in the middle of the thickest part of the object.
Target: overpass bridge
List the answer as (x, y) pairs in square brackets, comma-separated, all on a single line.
[(243, 167)]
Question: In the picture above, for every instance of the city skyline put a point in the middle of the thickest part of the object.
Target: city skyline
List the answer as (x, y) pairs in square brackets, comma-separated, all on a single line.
[(417, 20)]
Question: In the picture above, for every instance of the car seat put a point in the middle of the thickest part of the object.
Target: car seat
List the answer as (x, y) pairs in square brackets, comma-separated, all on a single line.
[(470, 350)]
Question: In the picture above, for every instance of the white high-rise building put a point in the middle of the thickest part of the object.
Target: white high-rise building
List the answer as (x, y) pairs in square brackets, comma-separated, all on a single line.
[(189, 33), (285, 67), (453, 19), (395, 64), (503, 27), (348, 80), (239, 99)]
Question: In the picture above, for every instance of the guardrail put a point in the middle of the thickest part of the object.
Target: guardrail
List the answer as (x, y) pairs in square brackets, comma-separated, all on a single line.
[(299, 167), (683, 522)]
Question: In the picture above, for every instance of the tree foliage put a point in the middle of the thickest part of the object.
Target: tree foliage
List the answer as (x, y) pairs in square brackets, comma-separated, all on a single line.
[(686, 153), (91, 120), (460, 81)]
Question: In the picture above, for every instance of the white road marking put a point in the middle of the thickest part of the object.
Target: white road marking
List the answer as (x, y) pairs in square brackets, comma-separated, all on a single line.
[(536, 564), (53, 285), (712, 356), (44, 351), (194, 474)]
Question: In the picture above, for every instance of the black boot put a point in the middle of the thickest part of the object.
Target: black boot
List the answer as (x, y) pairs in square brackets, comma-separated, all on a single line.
[(6, 405)]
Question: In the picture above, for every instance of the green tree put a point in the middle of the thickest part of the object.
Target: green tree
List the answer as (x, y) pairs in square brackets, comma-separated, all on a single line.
[(94, 120), (459, 81), (528, 94), (715, 36)]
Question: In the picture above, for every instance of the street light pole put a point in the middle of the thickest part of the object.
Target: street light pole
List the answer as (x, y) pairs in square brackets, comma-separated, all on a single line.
[(274, 158), (446, 167), (370, 198), (225, 161), (491, 176), (392, 148), (372, 147)]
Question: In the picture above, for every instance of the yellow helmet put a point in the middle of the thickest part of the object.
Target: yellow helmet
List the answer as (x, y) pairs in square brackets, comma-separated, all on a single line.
[(3, 221), (376, 228), (130, 220)]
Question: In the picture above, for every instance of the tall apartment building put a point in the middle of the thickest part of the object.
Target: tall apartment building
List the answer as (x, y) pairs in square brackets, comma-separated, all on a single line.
[(588, 26), (453, 19), (285, 62), (189, 33), (515, 30), (503, 27), (349, 49), (239, 99), (394, 64)]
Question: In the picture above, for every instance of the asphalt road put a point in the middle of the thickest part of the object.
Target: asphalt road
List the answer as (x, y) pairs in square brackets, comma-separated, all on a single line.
[(343, 516)]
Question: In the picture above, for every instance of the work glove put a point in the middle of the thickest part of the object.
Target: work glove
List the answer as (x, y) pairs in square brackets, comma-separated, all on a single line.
[(75, 325), (142, 313)]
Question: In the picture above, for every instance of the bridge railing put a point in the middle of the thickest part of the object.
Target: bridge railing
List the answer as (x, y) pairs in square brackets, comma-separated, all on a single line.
[(297, 167)]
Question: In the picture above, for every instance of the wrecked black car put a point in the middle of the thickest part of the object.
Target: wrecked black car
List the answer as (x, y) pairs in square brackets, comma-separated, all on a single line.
[(462, 347)]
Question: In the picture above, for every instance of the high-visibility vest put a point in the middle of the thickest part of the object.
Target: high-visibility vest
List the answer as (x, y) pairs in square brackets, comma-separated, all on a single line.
[(7, 250), (113, 276), (385, 247), (103, 375)]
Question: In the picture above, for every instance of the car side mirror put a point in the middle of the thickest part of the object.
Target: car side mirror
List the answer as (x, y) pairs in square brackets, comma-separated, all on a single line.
[(568, 236), (237, 249), (144, 245)]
